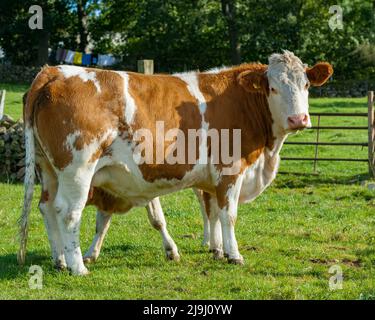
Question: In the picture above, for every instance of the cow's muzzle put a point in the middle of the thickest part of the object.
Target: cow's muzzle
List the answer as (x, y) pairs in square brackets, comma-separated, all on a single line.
[(298, 121)]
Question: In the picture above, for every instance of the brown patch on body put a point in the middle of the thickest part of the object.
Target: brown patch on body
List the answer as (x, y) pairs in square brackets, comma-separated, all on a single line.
[(44, 196), (206, 200), (48, 178), (106, 202), (164, 98)]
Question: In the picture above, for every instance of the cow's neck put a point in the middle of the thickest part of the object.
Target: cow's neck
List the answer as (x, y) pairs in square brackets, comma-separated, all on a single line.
[(279, 139), (273, 138), (250, 111), (254, 105)]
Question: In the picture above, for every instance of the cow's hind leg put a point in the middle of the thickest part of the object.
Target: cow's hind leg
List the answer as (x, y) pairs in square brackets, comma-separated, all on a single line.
[(216, 241), (204, 212), (46, 207), (157, 220), (71, 197), (103, 221)]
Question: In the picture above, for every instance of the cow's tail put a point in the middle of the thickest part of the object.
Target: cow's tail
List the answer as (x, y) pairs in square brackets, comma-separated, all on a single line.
[(29, 187)]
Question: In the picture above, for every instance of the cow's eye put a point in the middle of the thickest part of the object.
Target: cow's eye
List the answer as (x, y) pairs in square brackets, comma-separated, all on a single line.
[(273, 90), (307, 85)]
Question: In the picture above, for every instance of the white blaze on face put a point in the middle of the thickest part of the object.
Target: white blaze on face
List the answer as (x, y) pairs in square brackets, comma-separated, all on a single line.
[(288, 86), (82, 73)]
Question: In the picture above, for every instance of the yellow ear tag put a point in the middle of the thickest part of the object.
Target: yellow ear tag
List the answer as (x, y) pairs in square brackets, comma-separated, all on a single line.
[(256, 86)]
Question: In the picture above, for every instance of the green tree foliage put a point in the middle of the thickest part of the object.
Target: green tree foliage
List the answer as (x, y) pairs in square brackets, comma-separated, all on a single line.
[(23, 45), (199, 34), (194, 34), (177, 34), (64, 22)]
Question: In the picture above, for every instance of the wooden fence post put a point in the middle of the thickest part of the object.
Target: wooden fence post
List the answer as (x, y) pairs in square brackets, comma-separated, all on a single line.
[(2, 103), (371, 134), (146, 66)]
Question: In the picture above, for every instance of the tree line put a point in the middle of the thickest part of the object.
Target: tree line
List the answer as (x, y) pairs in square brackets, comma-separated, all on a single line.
[(195, 34)]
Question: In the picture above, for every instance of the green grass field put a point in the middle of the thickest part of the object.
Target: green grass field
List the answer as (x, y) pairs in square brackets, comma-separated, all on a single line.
[(290, 236)]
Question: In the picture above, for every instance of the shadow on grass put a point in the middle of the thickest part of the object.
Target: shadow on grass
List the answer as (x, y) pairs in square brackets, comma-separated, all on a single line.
[(10, 269), (284, 179), (302, 180), (316, 273), (118, 249)]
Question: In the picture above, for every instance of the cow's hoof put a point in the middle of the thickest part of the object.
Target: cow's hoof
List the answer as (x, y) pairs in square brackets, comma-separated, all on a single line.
[(60, 266), (89, 259), (81, 272), (217, 254), (238, 261), (172, 255)]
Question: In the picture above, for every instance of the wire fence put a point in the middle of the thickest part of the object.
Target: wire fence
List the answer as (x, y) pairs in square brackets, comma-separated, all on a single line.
[(370, 144)]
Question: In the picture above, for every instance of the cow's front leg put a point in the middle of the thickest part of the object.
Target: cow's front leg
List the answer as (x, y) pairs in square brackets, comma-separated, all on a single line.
[(157, 220), (228, 192), (103, 221)]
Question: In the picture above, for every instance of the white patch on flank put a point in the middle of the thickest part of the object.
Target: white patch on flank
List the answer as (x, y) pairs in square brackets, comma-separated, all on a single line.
[(82, 73), (84, 155), (191, 79), (130, 107), (71, 139)]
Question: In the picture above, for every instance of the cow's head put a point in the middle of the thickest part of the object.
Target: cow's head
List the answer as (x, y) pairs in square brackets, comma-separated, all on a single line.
[(286, 83)]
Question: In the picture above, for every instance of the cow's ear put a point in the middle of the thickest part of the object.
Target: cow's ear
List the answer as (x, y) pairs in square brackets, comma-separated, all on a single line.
[(254, 81), (319, 74)]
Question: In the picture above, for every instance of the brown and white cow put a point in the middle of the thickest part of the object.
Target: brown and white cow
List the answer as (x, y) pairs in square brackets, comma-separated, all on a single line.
[(81, 132)]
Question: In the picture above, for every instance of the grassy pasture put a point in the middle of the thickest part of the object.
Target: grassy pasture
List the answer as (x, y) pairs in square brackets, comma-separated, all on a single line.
[(290, 236)]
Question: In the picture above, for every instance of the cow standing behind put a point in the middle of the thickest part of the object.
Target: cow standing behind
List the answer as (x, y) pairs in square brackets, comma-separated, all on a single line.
[(84, 121)]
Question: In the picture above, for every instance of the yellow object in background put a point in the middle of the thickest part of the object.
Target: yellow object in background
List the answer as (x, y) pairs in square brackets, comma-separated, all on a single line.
[(77, 58)]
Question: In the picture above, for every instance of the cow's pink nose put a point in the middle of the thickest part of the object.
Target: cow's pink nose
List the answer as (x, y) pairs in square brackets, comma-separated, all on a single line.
[(298, 121)]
